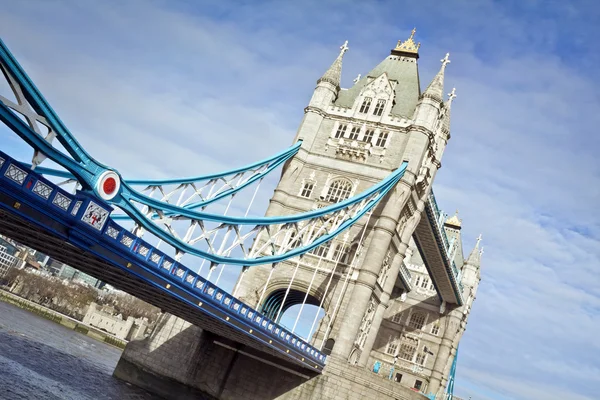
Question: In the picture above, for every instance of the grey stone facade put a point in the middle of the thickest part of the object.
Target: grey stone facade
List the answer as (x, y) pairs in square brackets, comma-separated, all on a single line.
[(351, 139)]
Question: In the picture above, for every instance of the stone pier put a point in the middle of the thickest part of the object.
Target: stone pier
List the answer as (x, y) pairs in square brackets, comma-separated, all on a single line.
[(182, 361)]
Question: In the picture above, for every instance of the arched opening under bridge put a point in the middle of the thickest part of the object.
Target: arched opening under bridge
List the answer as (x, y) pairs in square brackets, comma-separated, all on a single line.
[(297, 314)]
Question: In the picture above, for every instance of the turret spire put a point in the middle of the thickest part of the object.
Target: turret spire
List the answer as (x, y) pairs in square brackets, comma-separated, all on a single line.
[(447, 107), (475, 256), (435, 89), (334, 74)]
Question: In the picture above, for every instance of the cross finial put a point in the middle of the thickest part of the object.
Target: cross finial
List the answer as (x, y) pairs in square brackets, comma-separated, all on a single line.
[(412, 33), (478, 240), (446, 60), (344, 48), (481, 251), (357, 79), (452, 94)]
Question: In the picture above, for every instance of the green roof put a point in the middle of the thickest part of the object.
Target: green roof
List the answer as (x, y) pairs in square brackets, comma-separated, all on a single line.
[(404, 71)]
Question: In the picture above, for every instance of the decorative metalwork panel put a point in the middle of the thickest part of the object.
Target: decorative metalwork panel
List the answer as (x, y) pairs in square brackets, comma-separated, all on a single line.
[(76, 208), (42, 190), (95, 216), (143, 250), (155, 257), (1, 161), (61, 201), (16, 174), (112, 232), (126, 240)]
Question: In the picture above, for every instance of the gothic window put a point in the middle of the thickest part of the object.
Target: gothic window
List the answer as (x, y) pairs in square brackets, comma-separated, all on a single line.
[(379, 107), (307, 189), (431, 287), (354, 133), (340, 131), (408, 348), (338, 250), (417, 280), (365, 105), (420, 359), (397, 317), (392, 345), (435, 329), (417, 320), (368, 136), (339, 190), (322, 250), (382, 139), (425, 282)]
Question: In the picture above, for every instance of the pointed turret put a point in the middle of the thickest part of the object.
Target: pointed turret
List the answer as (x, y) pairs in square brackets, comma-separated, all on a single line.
[(474, 258), (447, 107), (334, 74), (435, 90)]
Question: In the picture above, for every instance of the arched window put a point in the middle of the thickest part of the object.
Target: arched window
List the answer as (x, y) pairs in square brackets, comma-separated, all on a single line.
[(417, 320), (339, 190), (364, 108), (408, 348), (307, 189)]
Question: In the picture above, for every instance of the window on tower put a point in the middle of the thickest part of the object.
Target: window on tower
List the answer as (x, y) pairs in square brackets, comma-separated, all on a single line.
[(338, 251), (417, 320), (340, 131), (408, 349), (322, 250), (397, 317), (392, 345), (425, 283), (420, 359), (382, 139), (365, 105), (379, 107), (307, 189), (354, 133), (368, 137), (435, 329), (338, 191)]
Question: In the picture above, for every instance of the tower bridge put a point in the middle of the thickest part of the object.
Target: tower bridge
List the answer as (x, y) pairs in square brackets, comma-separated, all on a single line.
[(353, 229)]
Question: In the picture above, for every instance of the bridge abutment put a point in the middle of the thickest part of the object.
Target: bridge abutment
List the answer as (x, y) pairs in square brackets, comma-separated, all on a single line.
[(182, 361)]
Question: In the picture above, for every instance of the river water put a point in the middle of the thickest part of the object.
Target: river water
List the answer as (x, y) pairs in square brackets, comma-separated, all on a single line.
[(43, 360)]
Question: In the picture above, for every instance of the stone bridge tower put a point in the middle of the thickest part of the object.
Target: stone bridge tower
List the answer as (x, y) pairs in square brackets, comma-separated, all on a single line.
[(396, 290), (351, 139)]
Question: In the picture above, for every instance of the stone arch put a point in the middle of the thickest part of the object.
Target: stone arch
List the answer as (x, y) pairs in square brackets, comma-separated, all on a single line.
[(272, 303)]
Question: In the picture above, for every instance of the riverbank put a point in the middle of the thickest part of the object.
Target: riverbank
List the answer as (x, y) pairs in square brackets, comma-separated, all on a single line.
[(62, 319)]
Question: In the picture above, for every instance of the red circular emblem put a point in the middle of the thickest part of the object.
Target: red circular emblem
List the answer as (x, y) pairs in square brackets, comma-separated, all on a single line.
[(109, 185)]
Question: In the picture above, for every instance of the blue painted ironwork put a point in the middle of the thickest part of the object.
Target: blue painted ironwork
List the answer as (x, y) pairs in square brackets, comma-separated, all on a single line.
[(29, 187), (451, 377), (88, 172), (268, 164)]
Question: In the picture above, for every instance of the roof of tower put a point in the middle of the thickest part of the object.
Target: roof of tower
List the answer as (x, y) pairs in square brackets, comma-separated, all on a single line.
[(435, 89), (408, 47), (454, 222), (400, 67), (334, 74), (475, 256)]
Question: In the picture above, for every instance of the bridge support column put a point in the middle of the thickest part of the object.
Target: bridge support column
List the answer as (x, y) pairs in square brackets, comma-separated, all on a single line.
[(385, 297), (442, 359)]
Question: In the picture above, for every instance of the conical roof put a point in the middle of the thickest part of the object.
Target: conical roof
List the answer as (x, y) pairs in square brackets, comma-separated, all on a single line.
[(334, 74), (435, 90)]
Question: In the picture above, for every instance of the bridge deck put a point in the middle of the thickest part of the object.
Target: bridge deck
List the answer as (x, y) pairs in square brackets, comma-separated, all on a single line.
[(27, 219)]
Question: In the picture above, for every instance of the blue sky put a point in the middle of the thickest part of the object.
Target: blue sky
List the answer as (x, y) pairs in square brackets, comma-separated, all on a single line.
[(163, 88)]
